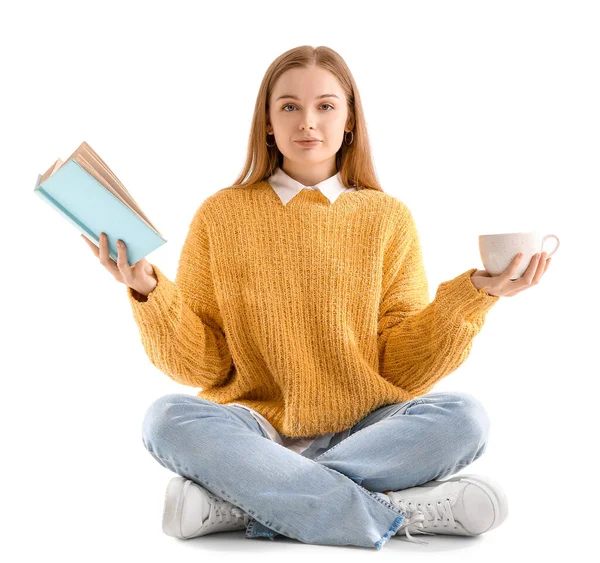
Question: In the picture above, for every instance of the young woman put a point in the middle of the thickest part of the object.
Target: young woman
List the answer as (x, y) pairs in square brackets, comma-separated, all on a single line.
[(301, 309)]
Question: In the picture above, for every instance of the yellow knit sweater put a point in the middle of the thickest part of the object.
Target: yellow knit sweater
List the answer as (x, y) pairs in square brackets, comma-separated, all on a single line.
[(313, 314)]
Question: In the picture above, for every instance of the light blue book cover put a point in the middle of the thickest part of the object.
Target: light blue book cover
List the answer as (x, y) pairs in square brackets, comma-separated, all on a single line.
[(92, 209)]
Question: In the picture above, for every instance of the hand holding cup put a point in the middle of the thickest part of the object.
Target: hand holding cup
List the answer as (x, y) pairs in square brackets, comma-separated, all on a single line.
[(510, 262)]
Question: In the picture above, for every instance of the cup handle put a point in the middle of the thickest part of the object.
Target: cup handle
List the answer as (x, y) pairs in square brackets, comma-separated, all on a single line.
[(555, 249)]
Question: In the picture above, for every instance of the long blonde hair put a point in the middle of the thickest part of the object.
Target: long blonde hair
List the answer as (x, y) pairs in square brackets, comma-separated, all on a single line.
[(353, 161)]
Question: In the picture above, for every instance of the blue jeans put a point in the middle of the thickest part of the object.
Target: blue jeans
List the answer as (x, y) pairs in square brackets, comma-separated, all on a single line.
[(328, 500)]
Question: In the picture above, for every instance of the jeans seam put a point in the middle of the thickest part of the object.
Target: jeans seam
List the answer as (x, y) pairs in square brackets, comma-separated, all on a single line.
[(367, 492)]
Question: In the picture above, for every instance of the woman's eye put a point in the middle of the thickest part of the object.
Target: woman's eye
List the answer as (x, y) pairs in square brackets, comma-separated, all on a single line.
[(292, 105)]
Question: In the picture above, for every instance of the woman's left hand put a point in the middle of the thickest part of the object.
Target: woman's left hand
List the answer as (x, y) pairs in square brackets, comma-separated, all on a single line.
[(502, 286)]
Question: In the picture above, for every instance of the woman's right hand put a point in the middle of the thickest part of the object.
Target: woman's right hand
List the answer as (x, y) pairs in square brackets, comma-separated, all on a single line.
[(140, 277)]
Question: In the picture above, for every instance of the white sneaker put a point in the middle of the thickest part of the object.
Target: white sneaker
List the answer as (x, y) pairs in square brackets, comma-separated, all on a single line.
[(191, 511), (463, 505)]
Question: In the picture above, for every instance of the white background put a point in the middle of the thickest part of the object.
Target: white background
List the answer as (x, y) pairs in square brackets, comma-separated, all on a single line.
[(483, 117)]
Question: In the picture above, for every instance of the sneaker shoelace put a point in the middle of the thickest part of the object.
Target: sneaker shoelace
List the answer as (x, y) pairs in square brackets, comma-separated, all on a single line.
[(418, 518), (225, 511)]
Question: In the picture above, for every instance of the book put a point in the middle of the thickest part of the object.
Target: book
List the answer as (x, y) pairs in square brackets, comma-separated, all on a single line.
[(85, 191)]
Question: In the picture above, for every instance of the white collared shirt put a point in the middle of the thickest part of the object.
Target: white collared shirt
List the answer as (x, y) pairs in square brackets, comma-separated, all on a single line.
[(286, 187)]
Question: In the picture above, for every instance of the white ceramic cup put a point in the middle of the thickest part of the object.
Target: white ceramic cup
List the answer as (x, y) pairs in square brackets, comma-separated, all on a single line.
[(498, 251)]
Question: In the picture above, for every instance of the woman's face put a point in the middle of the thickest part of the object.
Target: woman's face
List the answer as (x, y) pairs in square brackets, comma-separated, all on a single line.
[(309, 115)]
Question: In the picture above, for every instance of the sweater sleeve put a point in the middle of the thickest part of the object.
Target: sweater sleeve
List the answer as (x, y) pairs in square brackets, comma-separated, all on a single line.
[(180, 325), (420, 342)]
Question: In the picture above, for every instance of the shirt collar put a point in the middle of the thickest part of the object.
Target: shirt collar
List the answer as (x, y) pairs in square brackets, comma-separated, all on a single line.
[(286, 187)]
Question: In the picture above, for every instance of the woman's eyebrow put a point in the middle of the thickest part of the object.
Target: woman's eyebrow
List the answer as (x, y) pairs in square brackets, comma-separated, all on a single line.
[(317, 98)]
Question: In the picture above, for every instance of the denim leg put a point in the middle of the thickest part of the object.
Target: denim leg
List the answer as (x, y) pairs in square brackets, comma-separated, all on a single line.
[(407, 444), (223, 449)]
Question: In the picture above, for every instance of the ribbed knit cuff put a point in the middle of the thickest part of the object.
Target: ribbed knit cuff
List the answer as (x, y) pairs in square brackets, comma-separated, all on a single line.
[(162, 299), (463, 299)]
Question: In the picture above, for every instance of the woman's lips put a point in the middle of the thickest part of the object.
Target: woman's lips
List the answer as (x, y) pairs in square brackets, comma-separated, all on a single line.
[(308, 143)]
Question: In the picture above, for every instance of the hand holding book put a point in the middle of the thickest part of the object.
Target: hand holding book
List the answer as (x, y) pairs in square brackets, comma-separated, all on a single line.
[(140, 277), (86, 192)]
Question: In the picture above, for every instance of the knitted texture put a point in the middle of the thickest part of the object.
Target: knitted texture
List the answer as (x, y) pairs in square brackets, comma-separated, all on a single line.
[(311, 313)]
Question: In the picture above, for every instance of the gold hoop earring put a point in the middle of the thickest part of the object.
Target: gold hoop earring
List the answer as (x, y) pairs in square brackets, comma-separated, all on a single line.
[(268, 143), (351, 140)]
